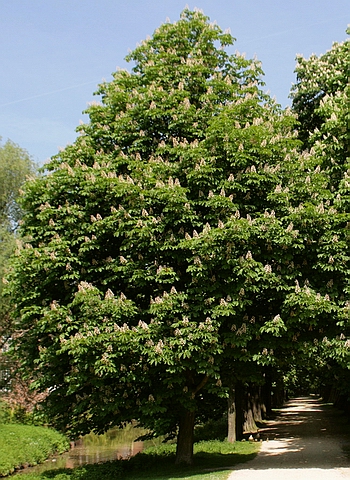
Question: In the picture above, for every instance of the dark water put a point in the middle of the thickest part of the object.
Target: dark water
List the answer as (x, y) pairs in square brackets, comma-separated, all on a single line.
[(113, 445)]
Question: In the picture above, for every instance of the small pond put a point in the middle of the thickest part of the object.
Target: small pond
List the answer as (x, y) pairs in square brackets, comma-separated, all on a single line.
[(114, 444)]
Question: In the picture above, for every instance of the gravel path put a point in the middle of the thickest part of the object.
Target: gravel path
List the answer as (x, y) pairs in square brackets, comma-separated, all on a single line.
[(307, 441)]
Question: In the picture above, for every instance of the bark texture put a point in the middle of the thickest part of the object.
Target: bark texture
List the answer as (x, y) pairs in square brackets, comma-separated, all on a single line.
[(184, 447), (231, 415)]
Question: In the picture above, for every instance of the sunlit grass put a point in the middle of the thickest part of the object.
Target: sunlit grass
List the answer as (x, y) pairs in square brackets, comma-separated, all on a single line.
[(27, 445)]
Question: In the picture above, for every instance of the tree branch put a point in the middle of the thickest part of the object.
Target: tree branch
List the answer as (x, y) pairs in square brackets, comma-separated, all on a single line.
[(201, 384)]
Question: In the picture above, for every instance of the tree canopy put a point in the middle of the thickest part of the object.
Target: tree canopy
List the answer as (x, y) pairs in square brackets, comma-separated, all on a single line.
[(321, 101), (160, 257)]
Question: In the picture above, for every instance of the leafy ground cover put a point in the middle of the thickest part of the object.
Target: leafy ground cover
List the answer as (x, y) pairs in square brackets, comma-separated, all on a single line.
[(213, 460), (27, 445)]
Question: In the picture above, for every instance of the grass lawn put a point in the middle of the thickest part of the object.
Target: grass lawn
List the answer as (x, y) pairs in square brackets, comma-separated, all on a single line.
[(27, 445), (213, 460)]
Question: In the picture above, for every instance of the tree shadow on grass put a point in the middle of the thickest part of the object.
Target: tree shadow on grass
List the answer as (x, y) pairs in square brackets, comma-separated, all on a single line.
[(149, 467)]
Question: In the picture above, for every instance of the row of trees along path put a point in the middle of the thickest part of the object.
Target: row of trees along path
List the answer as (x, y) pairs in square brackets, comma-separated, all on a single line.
[(192, 237), (307, 440)]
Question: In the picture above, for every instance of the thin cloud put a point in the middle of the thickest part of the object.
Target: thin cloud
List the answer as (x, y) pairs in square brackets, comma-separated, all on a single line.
[(48, 93)]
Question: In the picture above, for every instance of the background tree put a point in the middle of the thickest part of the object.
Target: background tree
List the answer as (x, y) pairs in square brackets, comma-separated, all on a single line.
[(320, 79), (158, 248), (15, 166), (321, 101)]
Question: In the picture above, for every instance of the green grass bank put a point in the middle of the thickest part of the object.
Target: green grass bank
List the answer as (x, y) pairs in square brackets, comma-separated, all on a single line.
[(24, 445), (213, 460)]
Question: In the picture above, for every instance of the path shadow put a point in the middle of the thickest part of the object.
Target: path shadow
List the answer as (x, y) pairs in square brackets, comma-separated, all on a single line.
[(305, 433)]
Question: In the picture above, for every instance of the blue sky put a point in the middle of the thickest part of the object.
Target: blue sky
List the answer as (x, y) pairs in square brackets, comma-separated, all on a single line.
[(53, 53)]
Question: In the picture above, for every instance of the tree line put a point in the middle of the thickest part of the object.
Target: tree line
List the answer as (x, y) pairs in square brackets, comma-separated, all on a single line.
[(190, 250)]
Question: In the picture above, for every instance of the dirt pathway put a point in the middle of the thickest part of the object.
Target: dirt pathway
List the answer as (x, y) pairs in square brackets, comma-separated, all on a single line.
[(307, 441)]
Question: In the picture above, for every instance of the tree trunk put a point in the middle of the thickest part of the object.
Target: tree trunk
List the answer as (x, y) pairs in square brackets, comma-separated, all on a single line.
[(257, 409), (239, 410), (279, 397), (249, 421), (184, 446), (231, 415), (266, 392)]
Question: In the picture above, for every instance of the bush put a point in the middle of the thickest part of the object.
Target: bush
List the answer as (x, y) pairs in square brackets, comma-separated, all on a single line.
[(211, 430), (18, 414), (5, 413)]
